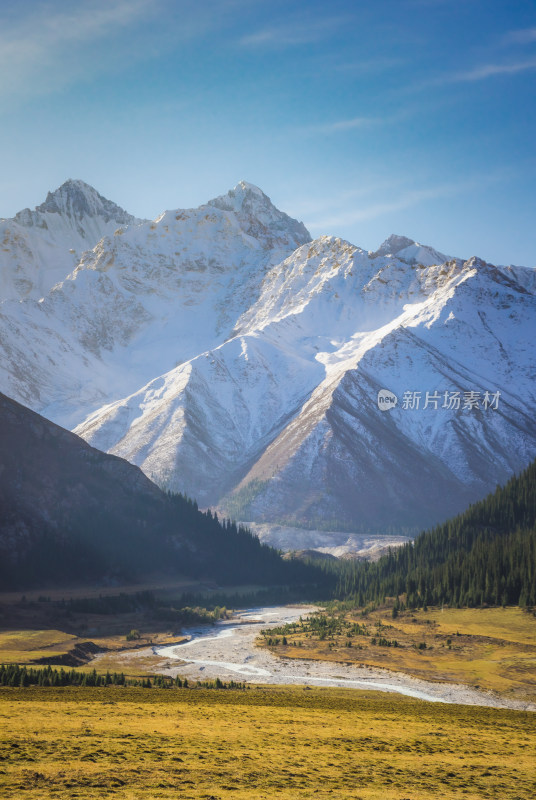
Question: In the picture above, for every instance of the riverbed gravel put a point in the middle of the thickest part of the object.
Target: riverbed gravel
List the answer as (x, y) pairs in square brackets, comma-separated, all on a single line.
[(228, 651)]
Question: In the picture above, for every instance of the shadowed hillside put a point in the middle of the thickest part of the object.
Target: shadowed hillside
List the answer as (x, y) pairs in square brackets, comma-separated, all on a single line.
[(69, 513)]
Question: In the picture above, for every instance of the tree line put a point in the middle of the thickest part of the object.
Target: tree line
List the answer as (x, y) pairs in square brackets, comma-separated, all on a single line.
[(14, 676), (486, 555)]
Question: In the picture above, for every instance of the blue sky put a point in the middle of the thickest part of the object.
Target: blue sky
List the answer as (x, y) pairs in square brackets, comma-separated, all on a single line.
[(362, 119)]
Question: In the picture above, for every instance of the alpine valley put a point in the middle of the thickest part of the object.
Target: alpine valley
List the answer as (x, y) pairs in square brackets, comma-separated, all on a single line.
[(234, 359)]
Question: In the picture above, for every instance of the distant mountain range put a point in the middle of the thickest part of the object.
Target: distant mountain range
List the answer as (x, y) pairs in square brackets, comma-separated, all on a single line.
[(234, 359)]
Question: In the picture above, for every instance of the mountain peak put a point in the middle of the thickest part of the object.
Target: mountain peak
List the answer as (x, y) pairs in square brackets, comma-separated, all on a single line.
[(410, 251), (250, 188), (253, 207), (43, 246), (244, 197), (393, 244), (78, 199)]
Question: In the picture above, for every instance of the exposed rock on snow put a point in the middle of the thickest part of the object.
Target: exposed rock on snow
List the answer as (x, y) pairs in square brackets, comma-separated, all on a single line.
[(41, 247)]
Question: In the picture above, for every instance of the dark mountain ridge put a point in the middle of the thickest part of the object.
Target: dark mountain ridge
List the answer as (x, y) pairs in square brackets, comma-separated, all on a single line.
[(70, 513)]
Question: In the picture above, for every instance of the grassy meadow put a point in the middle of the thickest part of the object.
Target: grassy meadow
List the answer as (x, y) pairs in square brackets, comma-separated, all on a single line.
[(258, 743), (271, 742), (29, 646), (33, 647), (36, 630)]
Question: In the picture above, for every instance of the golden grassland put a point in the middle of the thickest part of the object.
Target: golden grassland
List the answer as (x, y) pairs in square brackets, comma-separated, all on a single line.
[(34, 632), (132, 663), (490, 648), (259, 743), (27, 647)]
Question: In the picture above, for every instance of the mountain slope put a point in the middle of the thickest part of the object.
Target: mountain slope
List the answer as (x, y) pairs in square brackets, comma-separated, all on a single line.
[(140, 302), (69, 506), (487, 555), (344, 460)]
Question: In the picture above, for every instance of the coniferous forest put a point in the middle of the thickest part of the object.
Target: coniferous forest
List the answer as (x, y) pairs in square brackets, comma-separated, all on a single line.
[(174, 538), (486, 555)]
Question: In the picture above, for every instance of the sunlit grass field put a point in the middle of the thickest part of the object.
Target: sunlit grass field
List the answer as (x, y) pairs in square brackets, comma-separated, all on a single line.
[(491, 648), (28, 647), (258, 743)]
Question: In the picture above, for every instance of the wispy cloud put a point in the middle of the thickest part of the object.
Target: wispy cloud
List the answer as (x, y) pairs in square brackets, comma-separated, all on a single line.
[(368, 66), (291, 33), (355, 123), (325, 205), (36, 51), (492, 70), (396, 200), (339, 126), (523, 36), (32, 39), (380, 209), (478, 73)]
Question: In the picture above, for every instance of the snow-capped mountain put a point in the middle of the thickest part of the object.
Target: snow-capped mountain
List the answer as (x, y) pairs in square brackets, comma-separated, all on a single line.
[(41, 247), (281, 422), (409, 251), (233, 359), (143, 300)]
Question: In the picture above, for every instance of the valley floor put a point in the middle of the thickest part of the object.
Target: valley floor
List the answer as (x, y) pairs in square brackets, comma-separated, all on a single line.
[(231, 651), (471, 656), (490, 649)]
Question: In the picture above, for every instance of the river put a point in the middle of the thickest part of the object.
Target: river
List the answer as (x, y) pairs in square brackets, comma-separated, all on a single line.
[(228, 651)]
